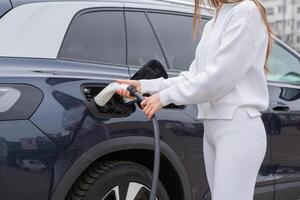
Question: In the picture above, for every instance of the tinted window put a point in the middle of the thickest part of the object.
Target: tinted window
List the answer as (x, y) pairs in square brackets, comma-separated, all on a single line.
[(96, 37), (175, 32), (142, 42), (284, 66)]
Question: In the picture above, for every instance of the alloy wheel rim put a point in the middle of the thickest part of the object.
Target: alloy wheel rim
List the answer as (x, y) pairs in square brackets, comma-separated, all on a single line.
[(128, 191)]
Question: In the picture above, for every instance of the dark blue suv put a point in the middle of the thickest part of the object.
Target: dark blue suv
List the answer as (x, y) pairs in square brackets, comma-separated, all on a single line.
[(56, 144)]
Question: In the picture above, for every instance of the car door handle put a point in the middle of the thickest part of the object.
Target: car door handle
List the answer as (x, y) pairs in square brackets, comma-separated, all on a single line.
[(280, 106)]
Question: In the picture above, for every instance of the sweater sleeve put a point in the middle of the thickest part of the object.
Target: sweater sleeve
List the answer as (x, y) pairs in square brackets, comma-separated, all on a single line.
[(228, 64)]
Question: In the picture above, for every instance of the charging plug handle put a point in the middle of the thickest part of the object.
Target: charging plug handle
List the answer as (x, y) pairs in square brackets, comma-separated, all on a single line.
[(134, 92)]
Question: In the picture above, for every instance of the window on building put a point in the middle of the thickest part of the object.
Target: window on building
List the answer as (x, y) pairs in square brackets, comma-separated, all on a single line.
[(279, 37), (289, 38), (270, 11), (278, 24), (281, 9)]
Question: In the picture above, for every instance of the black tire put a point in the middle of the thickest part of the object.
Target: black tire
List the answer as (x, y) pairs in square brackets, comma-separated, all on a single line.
[(102, 179)]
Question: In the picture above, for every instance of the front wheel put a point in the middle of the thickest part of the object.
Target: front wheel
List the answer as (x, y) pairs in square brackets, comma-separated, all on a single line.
[(115, 180)]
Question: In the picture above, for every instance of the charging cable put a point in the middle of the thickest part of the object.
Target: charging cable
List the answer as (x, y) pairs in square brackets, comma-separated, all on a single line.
[(103, 97)]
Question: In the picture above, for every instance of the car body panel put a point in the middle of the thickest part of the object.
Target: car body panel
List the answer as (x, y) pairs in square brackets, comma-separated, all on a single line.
[(285, 137), (70, 126), (74, 135), (21, 141), (76, 131), (120, 144)]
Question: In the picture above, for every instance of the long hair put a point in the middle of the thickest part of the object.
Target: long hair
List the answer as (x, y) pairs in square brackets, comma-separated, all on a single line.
[(215, 4)]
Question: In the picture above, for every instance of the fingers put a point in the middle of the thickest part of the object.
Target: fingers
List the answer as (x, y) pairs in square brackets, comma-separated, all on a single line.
[(126, 81), (150, 112), (124, 93), (148, 107), (144, 102), (135, 83)]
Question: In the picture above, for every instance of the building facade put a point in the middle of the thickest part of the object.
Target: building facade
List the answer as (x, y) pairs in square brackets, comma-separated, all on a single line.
[(284, 17)]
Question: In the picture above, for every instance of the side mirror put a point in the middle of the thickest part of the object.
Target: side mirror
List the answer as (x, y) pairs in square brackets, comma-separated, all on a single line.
[(150, 70)]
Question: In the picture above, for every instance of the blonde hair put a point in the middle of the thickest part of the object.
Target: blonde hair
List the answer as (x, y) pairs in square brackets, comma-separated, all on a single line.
[(215, 4)]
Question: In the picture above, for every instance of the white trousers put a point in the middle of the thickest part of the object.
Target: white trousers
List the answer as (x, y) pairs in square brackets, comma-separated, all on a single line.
[(233, 150)]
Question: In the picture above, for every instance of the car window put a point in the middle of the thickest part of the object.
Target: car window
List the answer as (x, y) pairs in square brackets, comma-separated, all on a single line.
[(175, 32), (142, 42), (97, 36), (284, 66)]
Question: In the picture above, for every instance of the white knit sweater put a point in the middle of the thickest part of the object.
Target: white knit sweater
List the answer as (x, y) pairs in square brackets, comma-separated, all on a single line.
[(227, 70)]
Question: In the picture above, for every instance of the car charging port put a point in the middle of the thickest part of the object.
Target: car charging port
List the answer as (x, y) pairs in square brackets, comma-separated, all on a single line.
[(115, 107)]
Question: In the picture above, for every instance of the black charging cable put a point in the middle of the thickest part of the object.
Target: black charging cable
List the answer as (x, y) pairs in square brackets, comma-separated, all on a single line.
[(139, 96)]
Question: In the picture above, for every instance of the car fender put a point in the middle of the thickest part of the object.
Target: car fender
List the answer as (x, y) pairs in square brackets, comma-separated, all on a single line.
[(113, 145)]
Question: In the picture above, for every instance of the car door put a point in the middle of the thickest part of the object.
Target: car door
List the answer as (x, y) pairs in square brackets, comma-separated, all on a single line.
[(177, 128), (284, 88), (174, 32)]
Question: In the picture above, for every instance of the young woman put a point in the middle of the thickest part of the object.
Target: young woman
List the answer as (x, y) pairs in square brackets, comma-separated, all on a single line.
[(227, 81)]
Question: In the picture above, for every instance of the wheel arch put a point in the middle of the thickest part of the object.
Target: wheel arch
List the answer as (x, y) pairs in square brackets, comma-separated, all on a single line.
[(118, 145)]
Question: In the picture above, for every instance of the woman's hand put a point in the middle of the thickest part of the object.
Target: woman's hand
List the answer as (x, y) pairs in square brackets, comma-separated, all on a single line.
[(125, 93), (151, 105)]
